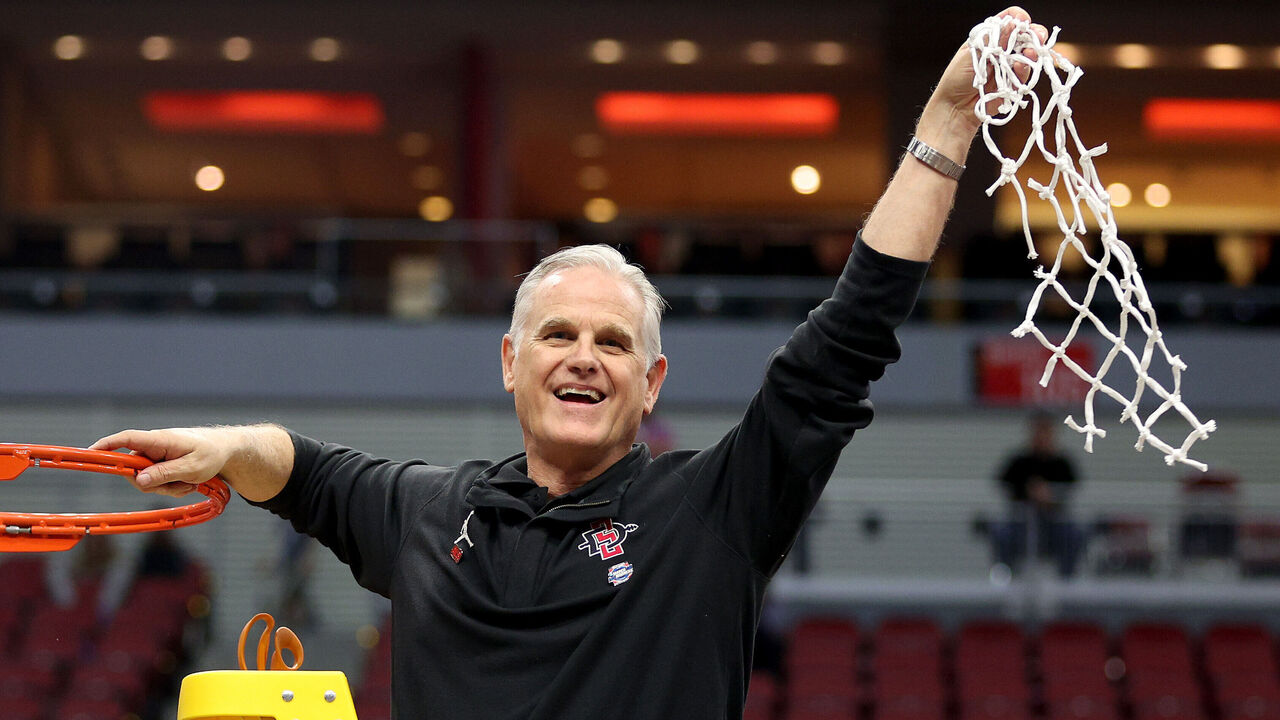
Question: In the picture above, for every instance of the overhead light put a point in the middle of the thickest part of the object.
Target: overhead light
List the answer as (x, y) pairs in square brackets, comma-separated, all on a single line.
[(1157, 195), (324, 49), (828, 53), (210, 178), (1212, 119), (156, 47), (1069, 51), (264, 111), (761, 52), (68, 47), (661, 113), (427, 178), (600, 210), (587, 145), (607, 51), (415, 144), (1120, 194), (1224, 56), (806, 180), (593, 178), (682, 52), (436, 208), (1133, 56), (1275, 57), (237, 49)]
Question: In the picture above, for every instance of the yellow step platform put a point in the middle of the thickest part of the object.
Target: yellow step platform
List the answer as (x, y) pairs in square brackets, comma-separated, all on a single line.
[(275, 691), (259, 694)]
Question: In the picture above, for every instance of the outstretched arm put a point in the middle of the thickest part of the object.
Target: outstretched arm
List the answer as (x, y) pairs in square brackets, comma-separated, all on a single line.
[(255, 460), (907, 221)]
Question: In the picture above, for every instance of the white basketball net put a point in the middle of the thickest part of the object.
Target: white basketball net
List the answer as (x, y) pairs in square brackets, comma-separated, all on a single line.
[(993, 61)]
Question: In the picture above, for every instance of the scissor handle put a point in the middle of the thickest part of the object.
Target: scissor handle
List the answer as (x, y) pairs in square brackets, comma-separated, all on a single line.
[(285, 640)]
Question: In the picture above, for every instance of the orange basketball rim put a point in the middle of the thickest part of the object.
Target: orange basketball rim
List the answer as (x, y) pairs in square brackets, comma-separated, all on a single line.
[(43, 532)]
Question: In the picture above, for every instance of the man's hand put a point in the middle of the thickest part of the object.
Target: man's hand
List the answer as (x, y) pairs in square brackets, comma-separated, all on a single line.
[(908, 220), (255, 460), (956, 94), (184, 457)]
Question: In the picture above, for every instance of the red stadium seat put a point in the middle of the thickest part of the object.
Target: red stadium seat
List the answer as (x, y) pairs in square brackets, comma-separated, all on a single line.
[(73, 708), (1156, 646), (913, 645), (22, 578), (1168, 708), (805, 714), (1232, 648), (763, 696), (1070, 645), (19, 681), (995, 707), (909, 707), (1082, 707), (826, 642), (24, 709)]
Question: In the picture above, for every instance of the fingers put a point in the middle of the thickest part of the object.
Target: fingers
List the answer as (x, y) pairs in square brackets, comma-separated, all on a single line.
[(180, 463), (176, 489), (1015, 13), (154, 444)]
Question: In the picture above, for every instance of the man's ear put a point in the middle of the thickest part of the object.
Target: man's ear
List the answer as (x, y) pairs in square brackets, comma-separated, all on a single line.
[(508, 360), (655, 377)]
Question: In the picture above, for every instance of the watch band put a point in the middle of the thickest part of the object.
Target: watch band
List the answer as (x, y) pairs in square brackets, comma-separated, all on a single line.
[(934, 159)]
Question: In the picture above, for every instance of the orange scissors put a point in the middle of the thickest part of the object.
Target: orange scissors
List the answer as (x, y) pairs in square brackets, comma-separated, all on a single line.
[(286, 640)]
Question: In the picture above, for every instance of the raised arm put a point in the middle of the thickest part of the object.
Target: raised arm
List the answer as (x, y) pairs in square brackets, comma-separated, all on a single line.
[(255, 460), (907, 221)]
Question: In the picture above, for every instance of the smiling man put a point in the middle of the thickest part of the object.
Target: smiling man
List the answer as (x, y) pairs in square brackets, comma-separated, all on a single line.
[(583, 359), (583, 578)]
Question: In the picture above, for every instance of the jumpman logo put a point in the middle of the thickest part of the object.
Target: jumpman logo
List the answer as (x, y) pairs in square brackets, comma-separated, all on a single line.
[(456, 552)]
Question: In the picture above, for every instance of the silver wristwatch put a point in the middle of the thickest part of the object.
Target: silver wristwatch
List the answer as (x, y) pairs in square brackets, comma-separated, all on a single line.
[(934, 159)]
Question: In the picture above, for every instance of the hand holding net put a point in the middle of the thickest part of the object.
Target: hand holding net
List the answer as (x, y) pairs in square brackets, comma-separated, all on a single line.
[(1085, 197)]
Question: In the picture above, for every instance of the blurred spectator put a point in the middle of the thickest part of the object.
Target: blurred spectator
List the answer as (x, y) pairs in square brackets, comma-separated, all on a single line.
[(831, 251), (657, 433), (93, 572), (162, 557), (1037, 482), (296, 567)]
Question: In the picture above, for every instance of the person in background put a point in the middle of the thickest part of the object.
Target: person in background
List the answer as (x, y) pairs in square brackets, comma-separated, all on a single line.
[(1037, 481)]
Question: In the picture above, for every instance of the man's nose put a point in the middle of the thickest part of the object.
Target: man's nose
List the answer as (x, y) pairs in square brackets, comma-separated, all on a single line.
[(582, 356)]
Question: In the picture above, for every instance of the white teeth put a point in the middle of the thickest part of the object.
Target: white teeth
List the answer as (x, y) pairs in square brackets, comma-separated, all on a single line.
[(564, 392)]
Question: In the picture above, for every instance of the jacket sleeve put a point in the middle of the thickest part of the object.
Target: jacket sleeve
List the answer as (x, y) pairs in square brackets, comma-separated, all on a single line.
[(355, 504), (759, 483)]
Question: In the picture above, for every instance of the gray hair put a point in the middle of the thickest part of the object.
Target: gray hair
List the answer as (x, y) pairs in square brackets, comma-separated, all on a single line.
[(603, 258)]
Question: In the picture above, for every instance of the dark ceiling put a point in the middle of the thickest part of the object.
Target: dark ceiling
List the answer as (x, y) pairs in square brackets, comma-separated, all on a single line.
[(518, 71)]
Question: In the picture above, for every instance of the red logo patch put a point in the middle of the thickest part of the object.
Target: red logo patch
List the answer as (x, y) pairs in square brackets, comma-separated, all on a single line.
[(605, 538)]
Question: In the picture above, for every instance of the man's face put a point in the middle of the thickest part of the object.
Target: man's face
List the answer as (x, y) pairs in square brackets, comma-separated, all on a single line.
[(579, 376)]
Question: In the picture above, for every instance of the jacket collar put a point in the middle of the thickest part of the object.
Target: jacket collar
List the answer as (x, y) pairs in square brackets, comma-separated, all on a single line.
[(506, 484)]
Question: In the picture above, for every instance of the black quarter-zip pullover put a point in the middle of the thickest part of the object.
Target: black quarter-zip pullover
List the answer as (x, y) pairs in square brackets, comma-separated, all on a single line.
[(634, 596)]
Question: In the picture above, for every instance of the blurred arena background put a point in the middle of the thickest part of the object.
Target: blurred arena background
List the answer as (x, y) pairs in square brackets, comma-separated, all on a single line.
[(316, 214)]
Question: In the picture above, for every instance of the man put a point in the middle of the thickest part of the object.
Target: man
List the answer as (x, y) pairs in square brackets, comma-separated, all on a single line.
[(1037, 481), (584, 578)]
